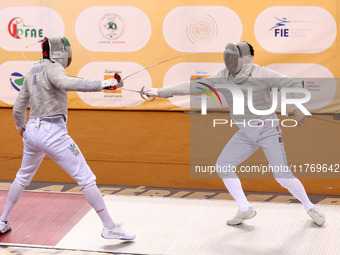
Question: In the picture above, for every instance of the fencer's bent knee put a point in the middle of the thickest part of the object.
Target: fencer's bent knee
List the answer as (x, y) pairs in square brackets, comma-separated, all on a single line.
[(225, 170), (24, 178), (88, 186), (285, 178), (24, 184), (285, 182)]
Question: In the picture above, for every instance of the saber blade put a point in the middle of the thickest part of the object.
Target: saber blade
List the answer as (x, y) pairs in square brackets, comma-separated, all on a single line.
[(130, 90), (169, 59)]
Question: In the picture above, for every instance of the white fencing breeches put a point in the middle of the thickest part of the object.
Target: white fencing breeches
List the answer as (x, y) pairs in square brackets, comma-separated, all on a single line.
[(246, 141), (242, 145), (49, 136)]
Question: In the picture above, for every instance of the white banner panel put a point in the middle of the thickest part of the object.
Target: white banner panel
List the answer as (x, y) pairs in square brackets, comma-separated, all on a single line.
[(113, 28), (295, 29), (201, 28), (119, 97)]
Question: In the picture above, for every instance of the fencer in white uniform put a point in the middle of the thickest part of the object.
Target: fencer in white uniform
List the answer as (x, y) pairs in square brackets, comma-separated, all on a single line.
[(45, 133), (241, 72)]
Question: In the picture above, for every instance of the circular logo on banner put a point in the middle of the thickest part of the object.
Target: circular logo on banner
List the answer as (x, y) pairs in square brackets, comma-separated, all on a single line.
[(111, 26), (13, 29), (17, 80), (12, 78), (202, 29), (100, 28)]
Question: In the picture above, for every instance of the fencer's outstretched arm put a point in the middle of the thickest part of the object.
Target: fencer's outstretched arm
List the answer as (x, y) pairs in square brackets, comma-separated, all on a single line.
[(49, 84), (188, 88), (179, 89), (57, 76)]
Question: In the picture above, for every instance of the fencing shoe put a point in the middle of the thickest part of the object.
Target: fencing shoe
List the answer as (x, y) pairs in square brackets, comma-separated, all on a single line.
[(242, 216), (317, 216), (117, 233), (4, 227)]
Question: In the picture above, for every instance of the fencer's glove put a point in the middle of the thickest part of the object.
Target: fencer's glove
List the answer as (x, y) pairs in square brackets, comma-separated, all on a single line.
[(153, 92), (299, 117), (22, 131), (112, 83)]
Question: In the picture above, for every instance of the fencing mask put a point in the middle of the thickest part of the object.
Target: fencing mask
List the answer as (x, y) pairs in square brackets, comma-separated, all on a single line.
[(234, 53), (57, 49)]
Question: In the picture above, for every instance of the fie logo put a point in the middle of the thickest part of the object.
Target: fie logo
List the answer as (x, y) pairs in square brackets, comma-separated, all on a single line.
[(278, 30)]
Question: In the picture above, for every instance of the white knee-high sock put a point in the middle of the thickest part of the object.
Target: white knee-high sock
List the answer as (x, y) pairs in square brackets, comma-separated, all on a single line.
[(14, 194), (95, 199), (235, 189), (297, 190)]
